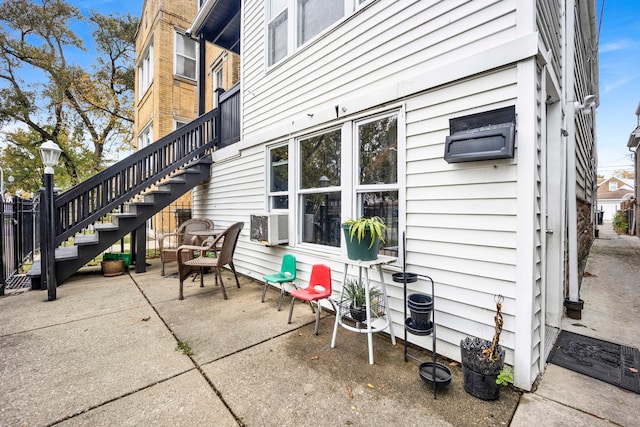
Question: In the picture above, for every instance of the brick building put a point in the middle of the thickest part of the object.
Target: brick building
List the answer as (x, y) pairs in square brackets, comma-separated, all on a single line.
[(166, 98)]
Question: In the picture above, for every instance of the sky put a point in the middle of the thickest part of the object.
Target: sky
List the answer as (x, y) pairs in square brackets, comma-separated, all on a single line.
[(619, 61), (619, 72)]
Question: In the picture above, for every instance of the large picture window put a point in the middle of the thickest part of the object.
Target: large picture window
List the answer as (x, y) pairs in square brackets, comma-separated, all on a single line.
[(319, 188), (323, 196)]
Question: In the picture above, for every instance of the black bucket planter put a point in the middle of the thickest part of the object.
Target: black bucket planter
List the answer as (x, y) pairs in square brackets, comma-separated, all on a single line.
[(480, 373), (358, 314), (420, 308), (482, 386)]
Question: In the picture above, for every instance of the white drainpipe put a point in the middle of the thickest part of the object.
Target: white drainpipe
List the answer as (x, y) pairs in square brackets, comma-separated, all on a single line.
[(572, 215)]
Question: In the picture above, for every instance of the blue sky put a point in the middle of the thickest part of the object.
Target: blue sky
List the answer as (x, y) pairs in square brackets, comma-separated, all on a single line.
[(619, 82)]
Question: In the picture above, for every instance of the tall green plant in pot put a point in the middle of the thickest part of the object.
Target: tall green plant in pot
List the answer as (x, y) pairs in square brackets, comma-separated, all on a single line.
[(363, 237), (356, 293)]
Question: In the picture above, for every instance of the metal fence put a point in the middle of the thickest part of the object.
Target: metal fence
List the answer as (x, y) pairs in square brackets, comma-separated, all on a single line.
[(19, 238)]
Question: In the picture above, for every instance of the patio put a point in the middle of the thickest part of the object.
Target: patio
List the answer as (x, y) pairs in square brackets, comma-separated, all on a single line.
[(104, 353)]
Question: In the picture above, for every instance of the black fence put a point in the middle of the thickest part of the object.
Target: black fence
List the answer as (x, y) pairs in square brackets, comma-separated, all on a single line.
[(19, 239)]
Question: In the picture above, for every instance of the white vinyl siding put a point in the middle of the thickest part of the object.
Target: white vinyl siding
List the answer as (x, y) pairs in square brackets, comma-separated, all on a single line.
[(379, 44)]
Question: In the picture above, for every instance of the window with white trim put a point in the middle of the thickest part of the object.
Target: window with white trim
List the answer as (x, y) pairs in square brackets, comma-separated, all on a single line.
[(145, 71), (319, 190), (185, 56), (145, 136), (376, 183), (613, 185), (371, 184), (217, 84), (293, 23), (278, 179)]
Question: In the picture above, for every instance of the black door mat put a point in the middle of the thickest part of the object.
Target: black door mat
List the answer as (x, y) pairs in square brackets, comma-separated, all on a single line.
[(604, 361)]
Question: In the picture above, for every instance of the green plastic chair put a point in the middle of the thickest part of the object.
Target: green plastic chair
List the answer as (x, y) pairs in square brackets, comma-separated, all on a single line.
[(286, 275)]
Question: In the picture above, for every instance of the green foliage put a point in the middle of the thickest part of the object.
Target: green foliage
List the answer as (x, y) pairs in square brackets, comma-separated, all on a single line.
[(184, 348), (86, 109), (356, 292), (358, 227), (505, 376), (620, 224)]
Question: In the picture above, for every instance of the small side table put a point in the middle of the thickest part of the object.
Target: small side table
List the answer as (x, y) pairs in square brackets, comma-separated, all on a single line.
[(370, 325)]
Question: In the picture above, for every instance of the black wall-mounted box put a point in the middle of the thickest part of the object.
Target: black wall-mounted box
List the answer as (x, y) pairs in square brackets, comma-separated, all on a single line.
[(484, 136)]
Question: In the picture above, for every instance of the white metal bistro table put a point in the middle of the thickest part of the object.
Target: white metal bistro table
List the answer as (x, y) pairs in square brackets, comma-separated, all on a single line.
[(372, 324)]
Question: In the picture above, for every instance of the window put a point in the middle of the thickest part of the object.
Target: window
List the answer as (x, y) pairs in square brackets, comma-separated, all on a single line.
[(316, 15), (145, 137), (217, 84), (178, 123), (322, 197), (185, 59), (377, 180), (277, 30), (145, 71), (613, 185), (309, 18), (319, 188), (279, 177)]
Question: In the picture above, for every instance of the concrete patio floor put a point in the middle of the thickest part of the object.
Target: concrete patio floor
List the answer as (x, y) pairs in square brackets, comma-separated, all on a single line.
[(104, 353)]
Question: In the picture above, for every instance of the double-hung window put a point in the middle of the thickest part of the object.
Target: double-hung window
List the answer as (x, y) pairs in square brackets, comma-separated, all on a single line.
[(145, 71), (185, 56), (319, 191), (292, 23), (279, 177), (321, 197), (376, 184)]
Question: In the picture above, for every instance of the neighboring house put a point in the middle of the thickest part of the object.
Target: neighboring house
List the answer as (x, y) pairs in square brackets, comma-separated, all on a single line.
[(633, 144), (167, 95), (467, 125), (611, 192)]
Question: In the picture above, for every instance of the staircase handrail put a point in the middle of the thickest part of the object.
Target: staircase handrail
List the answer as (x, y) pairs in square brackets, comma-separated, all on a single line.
[(90, 200)]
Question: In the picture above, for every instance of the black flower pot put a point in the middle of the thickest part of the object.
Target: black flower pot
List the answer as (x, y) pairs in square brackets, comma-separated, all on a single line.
[(482, 386), (358, 313), (479, 372)]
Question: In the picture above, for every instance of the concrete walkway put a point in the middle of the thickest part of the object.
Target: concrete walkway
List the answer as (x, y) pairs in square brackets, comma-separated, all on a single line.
[(611, 294), (104, 353)]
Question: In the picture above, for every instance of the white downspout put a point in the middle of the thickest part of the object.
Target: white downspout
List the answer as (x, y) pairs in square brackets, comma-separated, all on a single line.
[(572, 215)]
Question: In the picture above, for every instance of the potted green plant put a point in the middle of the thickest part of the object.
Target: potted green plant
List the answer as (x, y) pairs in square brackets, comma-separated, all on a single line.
[(363, 236), (356, 294)]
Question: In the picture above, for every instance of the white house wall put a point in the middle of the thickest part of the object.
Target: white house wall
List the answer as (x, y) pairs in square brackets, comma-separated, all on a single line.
[(475, 227)]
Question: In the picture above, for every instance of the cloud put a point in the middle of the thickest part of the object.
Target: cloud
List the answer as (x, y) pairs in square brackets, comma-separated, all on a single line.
[(610, 85), (617, 45)]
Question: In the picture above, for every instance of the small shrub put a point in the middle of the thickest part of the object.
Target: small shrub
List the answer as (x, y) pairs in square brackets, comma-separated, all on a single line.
[(620, 224)]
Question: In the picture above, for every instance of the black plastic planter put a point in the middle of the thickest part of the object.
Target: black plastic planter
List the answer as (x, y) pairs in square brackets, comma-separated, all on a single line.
[(482, 386), (479, 372)]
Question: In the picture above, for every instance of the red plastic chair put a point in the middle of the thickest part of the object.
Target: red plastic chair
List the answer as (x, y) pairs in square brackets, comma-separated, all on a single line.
[(319, 288)]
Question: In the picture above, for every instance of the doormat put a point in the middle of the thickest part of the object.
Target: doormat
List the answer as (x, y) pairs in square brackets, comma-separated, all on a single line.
[(612, 363)]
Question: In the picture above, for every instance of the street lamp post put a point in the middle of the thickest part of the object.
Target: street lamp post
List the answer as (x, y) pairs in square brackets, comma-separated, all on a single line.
[(50, 153)]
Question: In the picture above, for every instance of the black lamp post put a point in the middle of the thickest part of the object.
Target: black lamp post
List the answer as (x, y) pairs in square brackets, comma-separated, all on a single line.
[(50, 153)]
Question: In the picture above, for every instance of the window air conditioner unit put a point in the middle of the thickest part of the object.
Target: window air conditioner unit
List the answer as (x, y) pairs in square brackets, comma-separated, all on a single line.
[(270, 228)]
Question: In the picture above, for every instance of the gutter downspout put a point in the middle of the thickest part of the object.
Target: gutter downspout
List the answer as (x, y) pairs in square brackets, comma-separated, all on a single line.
[(572, 215)]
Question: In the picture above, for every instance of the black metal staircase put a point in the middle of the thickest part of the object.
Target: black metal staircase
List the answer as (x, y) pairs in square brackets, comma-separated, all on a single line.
[(129, 193)]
